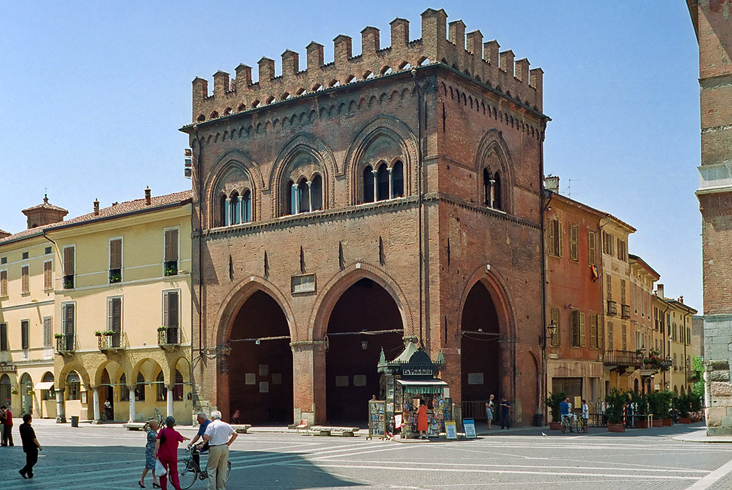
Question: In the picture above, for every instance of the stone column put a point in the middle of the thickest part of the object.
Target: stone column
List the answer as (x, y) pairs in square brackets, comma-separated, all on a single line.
[(227, 213), (60, 407), (492, 197), (97, 411), (308, 358), (169, 400), (131, 390), (310, 196), (296, 199), (376, 184), (391, 184)]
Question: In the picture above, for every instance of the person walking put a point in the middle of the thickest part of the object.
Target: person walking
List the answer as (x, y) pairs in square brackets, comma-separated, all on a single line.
[(31, 446), (166, 451), (219, 435), (505, 413), (7, 426), (489, 411), (152, 437)]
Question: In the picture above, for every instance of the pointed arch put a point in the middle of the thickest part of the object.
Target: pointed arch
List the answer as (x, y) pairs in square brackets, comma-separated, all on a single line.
[(234, 172), (493, 154)]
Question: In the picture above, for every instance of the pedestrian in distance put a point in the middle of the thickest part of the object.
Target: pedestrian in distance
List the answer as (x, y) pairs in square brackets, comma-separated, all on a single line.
[(166, 451), (489, 405), (152, 437), (31, 446), (219, 435), (422, 422), (505, 413)]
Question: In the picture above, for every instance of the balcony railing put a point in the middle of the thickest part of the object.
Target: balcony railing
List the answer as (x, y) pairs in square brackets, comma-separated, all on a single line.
[(65, 344), (169, 338), (115, 276), (623, 358), (109, 342), (612, 308), (625, 311)]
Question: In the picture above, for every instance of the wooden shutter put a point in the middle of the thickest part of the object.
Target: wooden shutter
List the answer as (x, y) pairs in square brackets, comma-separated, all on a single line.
[(68, 318), (171, 246), (172, 309), (24, 334), (592, 248), (115, 253), (573, 242), (582, 333), (69, 267), (560, 242), (48, 332), (3, 283), (3, 336), (575, 329), (114, 314), (48, 275), (552, 234), (25, 278), (593, 331)]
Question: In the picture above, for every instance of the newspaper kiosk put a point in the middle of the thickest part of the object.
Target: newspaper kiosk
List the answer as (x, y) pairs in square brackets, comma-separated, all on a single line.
[(409, 378)]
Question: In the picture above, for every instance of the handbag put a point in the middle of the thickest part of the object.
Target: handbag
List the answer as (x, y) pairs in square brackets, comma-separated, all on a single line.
[(160, 469)]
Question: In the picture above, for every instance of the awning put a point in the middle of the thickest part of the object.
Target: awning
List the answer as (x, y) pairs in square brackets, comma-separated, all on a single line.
[(427, 386), (43, 385)]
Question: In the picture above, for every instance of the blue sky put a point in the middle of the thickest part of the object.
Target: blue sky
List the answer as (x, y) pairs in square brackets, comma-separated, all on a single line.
[(93, 94)]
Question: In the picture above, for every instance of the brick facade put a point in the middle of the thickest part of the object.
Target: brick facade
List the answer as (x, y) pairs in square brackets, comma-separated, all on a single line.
[(463, 125), (713, 24)]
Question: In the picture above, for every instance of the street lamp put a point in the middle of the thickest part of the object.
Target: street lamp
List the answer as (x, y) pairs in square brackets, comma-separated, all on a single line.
[(551, 329)]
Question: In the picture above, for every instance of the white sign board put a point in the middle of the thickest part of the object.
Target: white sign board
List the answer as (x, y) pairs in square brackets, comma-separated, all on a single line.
[(469, 425), (450, 429)]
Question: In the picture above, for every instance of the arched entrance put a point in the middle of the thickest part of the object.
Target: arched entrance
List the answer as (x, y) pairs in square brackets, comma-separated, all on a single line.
[(480, 349), (354, 346), (5, 390), (259, 371), (26, 394)]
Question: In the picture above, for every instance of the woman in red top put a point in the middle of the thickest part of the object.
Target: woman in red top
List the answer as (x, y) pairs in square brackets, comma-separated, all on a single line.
[(166, 450), (422, 420)]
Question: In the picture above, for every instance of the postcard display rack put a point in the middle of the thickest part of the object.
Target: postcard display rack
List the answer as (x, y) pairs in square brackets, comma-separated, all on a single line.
[(409, 378)]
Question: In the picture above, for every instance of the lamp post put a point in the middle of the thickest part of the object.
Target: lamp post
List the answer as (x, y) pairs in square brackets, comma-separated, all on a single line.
[(551, 328)]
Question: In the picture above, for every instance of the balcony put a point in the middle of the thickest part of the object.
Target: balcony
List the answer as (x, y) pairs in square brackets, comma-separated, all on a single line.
[(109, 342), (625, 311), (612, 308), (65, 344), (623, 359), (169, 338)]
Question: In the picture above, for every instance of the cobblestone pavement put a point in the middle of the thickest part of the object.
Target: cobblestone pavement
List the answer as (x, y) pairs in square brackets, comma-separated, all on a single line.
[(109, 457)]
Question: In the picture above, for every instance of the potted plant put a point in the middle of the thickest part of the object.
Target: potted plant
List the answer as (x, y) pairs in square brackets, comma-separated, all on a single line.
[(98, 333), (162, 328), (641, 410), (615, 402), (682, 404), (57, 336), (659, 403), (553, 404)]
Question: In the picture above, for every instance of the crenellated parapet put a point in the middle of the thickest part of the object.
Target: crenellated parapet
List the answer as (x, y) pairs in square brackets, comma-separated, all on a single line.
[(440, 43)]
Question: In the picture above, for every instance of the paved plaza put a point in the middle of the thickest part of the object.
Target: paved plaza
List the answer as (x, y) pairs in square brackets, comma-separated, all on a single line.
[(109, 457)]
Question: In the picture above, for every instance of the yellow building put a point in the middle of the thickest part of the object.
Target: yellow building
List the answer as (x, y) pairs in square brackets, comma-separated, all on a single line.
[(640, 312), (619, 356), (120, 309)]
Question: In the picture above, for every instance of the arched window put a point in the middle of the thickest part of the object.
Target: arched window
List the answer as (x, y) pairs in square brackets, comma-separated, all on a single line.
[(486, 187), (223, 211), (5, 389), (246, 207), (397, 180), (368, 184), (47, 394), (124, 392), (497, 191), (316, 193), (178, 386), (73, 386), (140, 388), (235, 209), (303, 196), (382, 183), (292, 198)]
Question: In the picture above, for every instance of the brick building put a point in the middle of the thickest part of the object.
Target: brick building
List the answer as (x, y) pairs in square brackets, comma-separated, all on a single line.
[(712, 21), (389, 197)]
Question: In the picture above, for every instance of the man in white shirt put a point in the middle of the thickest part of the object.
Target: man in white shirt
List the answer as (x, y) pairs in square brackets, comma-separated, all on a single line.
[(219, 435)]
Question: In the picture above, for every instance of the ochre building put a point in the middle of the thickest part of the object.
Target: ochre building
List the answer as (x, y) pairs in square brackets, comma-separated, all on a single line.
[(352, 206)]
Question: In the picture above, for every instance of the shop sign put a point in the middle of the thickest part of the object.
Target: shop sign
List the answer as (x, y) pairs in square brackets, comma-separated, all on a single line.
[(8, 368), (451, 429), (469, 425)]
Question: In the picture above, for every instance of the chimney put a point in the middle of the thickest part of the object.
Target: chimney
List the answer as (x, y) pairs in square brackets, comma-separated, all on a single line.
[(659, 291), (551, 183), (147, 196), (96, 207), (681, 299)]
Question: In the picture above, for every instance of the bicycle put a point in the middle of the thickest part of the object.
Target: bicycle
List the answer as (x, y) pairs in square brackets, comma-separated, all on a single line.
[(106, 415), (189, 469), (582, 425), (567, 424)]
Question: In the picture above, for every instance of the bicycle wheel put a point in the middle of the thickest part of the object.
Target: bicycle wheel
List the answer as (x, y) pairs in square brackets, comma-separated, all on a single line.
[(187, 472), (564, 426), (228, 470)]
